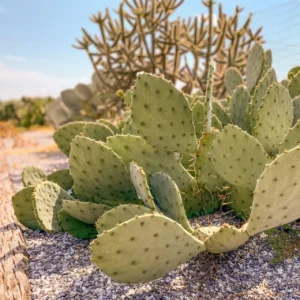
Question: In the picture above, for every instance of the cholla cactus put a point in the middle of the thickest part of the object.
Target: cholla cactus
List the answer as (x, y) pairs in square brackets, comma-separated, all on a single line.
[(143, 38)]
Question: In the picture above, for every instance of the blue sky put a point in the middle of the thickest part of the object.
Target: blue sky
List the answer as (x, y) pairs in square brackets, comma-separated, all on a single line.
[(36, 57)]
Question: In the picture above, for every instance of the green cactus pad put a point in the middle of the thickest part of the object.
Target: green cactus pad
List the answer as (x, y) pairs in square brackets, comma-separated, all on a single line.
[(238, 157), (47, 201), (294, 86), (97, 131), (267, 61), (23, 208), (225, 239), (31, 176), (276, 197), (99, 171), (64, 135), (233, 79), (296, 104), (139, 180), (203, 233), (143, 249), (120, 214), (259, 93), (220, 112), (134, 148), (238, 108), (62, 178), (274, 118), (162, 116), (167, 197), (83, 92), (128, 128), (285, 83), (254, 66), (240, 202), (75, 227), (292, 72), (198, 119), (204, 170), (292, 138), (86, 212), (71, 100), (110, 125)]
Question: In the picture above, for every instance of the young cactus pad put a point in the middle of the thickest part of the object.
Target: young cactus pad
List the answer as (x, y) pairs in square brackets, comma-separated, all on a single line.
[(238, 157), (86, 212), (134, 148), (294, 86), (23, 208), (274, 118), (162, 115), (99, 171), (75, 227), (120, 214), (62, 178), (139, 181), (276, 196), (168, 199), (238, 108), (143, 249), (97, 131), (226, 238), (233, 79), (254, 67), (110, 125), (292, 138), (31, 176), (259, 93), (64, 135), (47, 201)]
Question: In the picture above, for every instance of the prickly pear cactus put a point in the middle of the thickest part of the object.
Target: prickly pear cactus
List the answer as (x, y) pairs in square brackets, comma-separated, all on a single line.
[(64, 135), (259, 93), (47, 201), (274, 118), (23, 208), (162, 116), (167, 197), (226, 238), (296, 105), (62, 178), (292, 138), (110, 125), (240, 202), (233, 79), (31, 176), (238, 157), (75, 227), (143, 249), (294, 86), (97, 131), (86, 212), (139, 180), (254, 66), (276, 196), (238, 108), (120, 214), (134, 148), (98, 171)]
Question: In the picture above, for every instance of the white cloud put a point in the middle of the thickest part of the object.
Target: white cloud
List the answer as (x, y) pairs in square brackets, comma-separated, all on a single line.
[(15, 83), (3, 10), (15, 58)]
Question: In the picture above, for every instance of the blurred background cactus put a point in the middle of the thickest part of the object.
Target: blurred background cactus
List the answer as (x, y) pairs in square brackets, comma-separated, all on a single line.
[(146, 37)]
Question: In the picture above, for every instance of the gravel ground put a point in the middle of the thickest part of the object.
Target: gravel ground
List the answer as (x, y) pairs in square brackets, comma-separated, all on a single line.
[(60, 266)]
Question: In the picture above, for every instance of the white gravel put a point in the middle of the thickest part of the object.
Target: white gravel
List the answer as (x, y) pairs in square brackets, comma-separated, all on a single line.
[(60, 266)]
